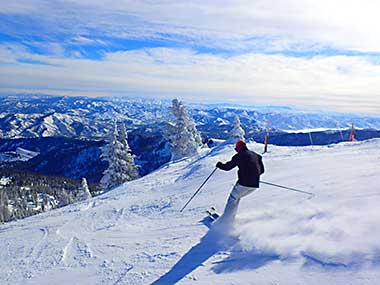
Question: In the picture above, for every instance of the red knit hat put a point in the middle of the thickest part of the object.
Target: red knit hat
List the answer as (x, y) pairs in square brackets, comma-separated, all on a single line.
[(239, 145)]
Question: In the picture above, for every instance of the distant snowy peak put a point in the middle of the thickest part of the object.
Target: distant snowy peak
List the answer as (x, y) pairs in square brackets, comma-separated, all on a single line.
[(72, 116), (42, 116), (317, 130), (222, 122)]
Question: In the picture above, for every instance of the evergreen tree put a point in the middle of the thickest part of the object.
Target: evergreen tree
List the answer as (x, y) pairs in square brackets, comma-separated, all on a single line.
[(237, 133), (131, 170), (121, 165), (183, 135), (43, 208), (84, 191), (4, 210), (64, 197), (35, 198), (19, 212)]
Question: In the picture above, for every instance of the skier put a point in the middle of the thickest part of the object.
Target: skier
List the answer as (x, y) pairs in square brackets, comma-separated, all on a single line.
[(250, 168)]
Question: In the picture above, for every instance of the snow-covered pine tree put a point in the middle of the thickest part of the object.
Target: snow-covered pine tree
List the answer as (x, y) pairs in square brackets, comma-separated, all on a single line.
[(4, 210), (45, 202), (131, 169), (183, 135), (237, 133), (84, 191), (19, 211), (64, 197), (110, 179), (121, 166), (35, 198)]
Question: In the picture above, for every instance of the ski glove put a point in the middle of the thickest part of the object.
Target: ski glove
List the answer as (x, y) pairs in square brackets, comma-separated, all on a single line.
[(219, 164)]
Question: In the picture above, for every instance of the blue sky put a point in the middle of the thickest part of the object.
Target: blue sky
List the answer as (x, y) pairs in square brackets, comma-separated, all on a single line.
[(320, 54)]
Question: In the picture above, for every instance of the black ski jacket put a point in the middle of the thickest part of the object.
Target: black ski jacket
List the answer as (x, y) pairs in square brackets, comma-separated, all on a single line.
[(250, 167)]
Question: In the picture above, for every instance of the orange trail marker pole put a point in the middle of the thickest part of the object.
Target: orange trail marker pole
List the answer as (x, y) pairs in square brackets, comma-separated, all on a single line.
[(352, 134)]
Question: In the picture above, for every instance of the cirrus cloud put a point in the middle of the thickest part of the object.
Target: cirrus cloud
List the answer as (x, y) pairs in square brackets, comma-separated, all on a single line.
[(321, 53), (344, 83), (229, 24)]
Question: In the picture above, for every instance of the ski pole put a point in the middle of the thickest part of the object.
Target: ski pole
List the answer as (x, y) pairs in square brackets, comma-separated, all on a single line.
[(288, 188), (199, 189)]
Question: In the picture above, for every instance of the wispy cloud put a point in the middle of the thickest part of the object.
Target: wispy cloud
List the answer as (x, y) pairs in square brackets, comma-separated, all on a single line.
[(322, 53), (232, 24), (87, 41), (334, 82)]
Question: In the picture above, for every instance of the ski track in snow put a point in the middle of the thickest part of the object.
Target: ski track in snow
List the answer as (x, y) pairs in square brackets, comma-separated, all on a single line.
[(136, 235), (77, 253), (37, 249)]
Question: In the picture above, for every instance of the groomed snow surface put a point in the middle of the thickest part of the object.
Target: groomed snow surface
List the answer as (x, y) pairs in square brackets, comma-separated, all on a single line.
[(136, 235)]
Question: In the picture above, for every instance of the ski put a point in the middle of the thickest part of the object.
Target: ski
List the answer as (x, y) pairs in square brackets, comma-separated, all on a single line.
[(213, 214)]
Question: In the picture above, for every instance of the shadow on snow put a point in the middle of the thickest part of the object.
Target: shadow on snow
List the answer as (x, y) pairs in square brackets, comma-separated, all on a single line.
[(243, 260), (212, 243)]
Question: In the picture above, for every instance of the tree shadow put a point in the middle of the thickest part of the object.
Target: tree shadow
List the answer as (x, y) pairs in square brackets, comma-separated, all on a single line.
[(209, 245)]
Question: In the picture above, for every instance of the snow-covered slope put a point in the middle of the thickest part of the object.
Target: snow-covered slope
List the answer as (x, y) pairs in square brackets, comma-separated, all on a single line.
[(20, 154), (136, 235)]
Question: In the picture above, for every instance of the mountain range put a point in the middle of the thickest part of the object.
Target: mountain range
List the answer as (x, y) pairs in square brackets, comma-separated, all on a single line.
[(57, 135)]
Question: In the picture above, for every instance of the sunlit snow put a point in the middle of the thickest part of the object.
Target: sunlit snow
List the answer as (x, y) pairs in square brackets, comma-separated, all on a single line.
[(135, 234)]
